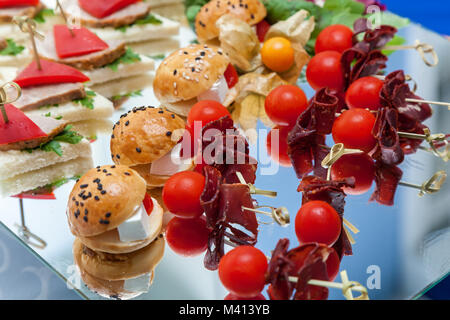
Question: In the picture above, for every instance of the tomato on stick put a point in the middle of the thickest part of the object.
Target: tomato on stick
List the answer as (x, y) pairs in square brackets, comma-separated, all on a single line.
[(358, 165), (336, 37), (325, 70), (364, 93)]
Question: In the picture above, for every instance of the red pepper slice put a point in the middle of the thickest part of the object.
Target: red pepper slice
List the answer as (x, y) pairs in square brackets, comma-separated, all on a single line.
[(36, 196), (148, 204), (231, 76), (261, 30), (19, 127), (51, 73), (102, 8), (81, 43), (18, 3)]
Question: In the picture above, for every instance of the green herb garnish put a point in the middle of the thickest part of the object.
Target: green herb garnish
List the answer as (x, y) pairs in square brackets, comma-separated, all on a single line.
[(12, 49), (158, 56), (149, 19), (67, 135), (129, 57), (40, 16), (137, 93), (88, 101)]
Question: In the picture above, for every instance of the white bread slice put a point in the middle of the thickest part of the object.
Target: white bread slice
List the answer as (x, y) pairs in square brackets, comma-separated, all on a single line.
[(158, 3), (124, 86), (144, 32), (173, 11), (12, 31), (8, 73), (156, 47), (73, 111), (19, 60), (94, 127), (44, 176), (16, 162), (124, 70)]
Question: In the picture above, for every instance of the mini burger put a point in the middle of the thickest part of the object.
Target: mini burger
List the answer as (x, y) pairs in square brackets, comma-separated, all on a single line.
[(191, 74), (118, 228), (250, 11), (147, 139)]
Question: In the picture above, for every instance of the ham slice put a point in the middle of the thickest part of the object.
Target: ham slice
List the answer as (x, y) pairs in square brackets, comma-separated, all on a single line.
[(7, 14), (51, 127), (116, 49), (3, 44), (123, 17), (38, 96)]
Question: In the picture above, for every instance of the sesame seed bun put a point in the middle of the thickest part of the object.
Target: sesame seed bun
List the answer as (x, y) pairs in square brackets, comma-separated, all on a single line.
[(110, 289), (110, 241), (251, 11), (144, 135), (123, 266), (103, 199), (189, 72)]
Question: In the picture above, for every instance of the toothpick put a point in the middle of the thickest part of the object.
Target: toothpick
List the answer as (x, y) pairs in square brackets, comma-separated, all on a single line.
[(430, 186), (254, 190), (438, 103), (422, 48), (346, 286), (4, 98), (336, 152), (58, 5), (28, 25), (279, 215), (430, 138)]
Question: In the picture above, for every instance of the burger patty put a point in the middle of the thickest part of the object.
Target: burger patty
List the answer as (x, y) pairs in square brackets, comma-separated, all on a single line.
[(7, 14), (123, 17), (39, 96), (50, 126), (103, 256), (116, 49)]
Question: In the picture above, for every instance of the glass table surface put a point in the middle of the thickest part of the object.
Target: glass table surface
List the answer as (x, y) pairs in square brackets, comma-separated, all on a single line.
[(400, 251)]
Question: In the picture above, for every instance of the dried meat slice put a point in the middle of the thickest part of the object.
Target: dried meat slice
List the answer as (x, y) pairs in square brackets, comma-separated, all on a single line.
[(387, 178)]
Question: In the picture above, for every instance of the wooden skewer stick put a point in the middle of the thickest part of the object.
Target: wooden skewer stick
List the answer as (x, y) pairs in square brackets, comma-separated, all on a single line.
[(430, 186), (279, 215), (346, 286), (422, 48), (438, 103), (254, 190), (63, 13), (431, 139), (4, 97), (28, 25)]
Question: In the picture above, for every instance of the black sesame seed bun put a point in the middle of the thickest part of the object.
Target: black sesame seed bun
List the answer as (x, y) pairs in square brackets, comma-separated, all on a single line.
[(187, 73), (144, 135), (123, 266), (251, 11), (110, 289), (110, 241), (103, 199)]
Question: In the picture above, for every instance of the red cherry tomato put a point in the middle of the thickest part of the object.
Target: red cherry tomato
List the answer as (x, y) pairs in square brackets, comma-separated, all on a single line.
[(325, 70), (364, 93), (187, 237), (181, 194), (360, 166), (261, 30), (353, 128), (231, 76), (242, 271), (277, 148), (285, 104), (231, 296), (206, 111), (148, 204), (336, 37), (317, 221)]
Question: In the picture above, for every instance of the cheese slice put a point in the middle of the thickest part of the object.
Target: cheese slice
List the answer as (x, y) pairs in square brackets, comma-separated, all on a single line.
[(135, 228)]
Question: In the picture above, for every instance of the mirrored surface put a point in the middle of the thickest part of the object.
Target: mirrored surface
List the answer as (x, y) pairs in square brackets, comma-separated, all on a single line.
[(399, 251)]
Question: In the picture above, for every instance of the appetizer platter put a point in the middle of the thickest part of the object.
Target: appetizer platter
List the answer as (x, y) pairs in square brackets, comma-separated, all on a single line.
[(268, 149)]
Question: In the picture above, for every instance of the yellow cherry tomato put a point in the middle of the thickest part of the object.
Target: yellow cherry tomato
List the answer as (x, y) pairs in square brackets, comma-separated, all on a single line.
[(277, 54)]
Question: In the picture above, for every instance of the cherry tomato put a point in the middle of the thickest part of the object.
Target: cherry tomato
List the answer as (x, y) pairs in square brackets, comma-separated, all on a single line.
[(187, 237), (364, 93), (353, 128), (261, 30), (285, 104), (148, 204), (231, 76), (277, 147), (242, 271), (231, 296), (277, 54), (325, 70), (206, 111), (181, 194), (336, 37), (317, 221), (360, 166)]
